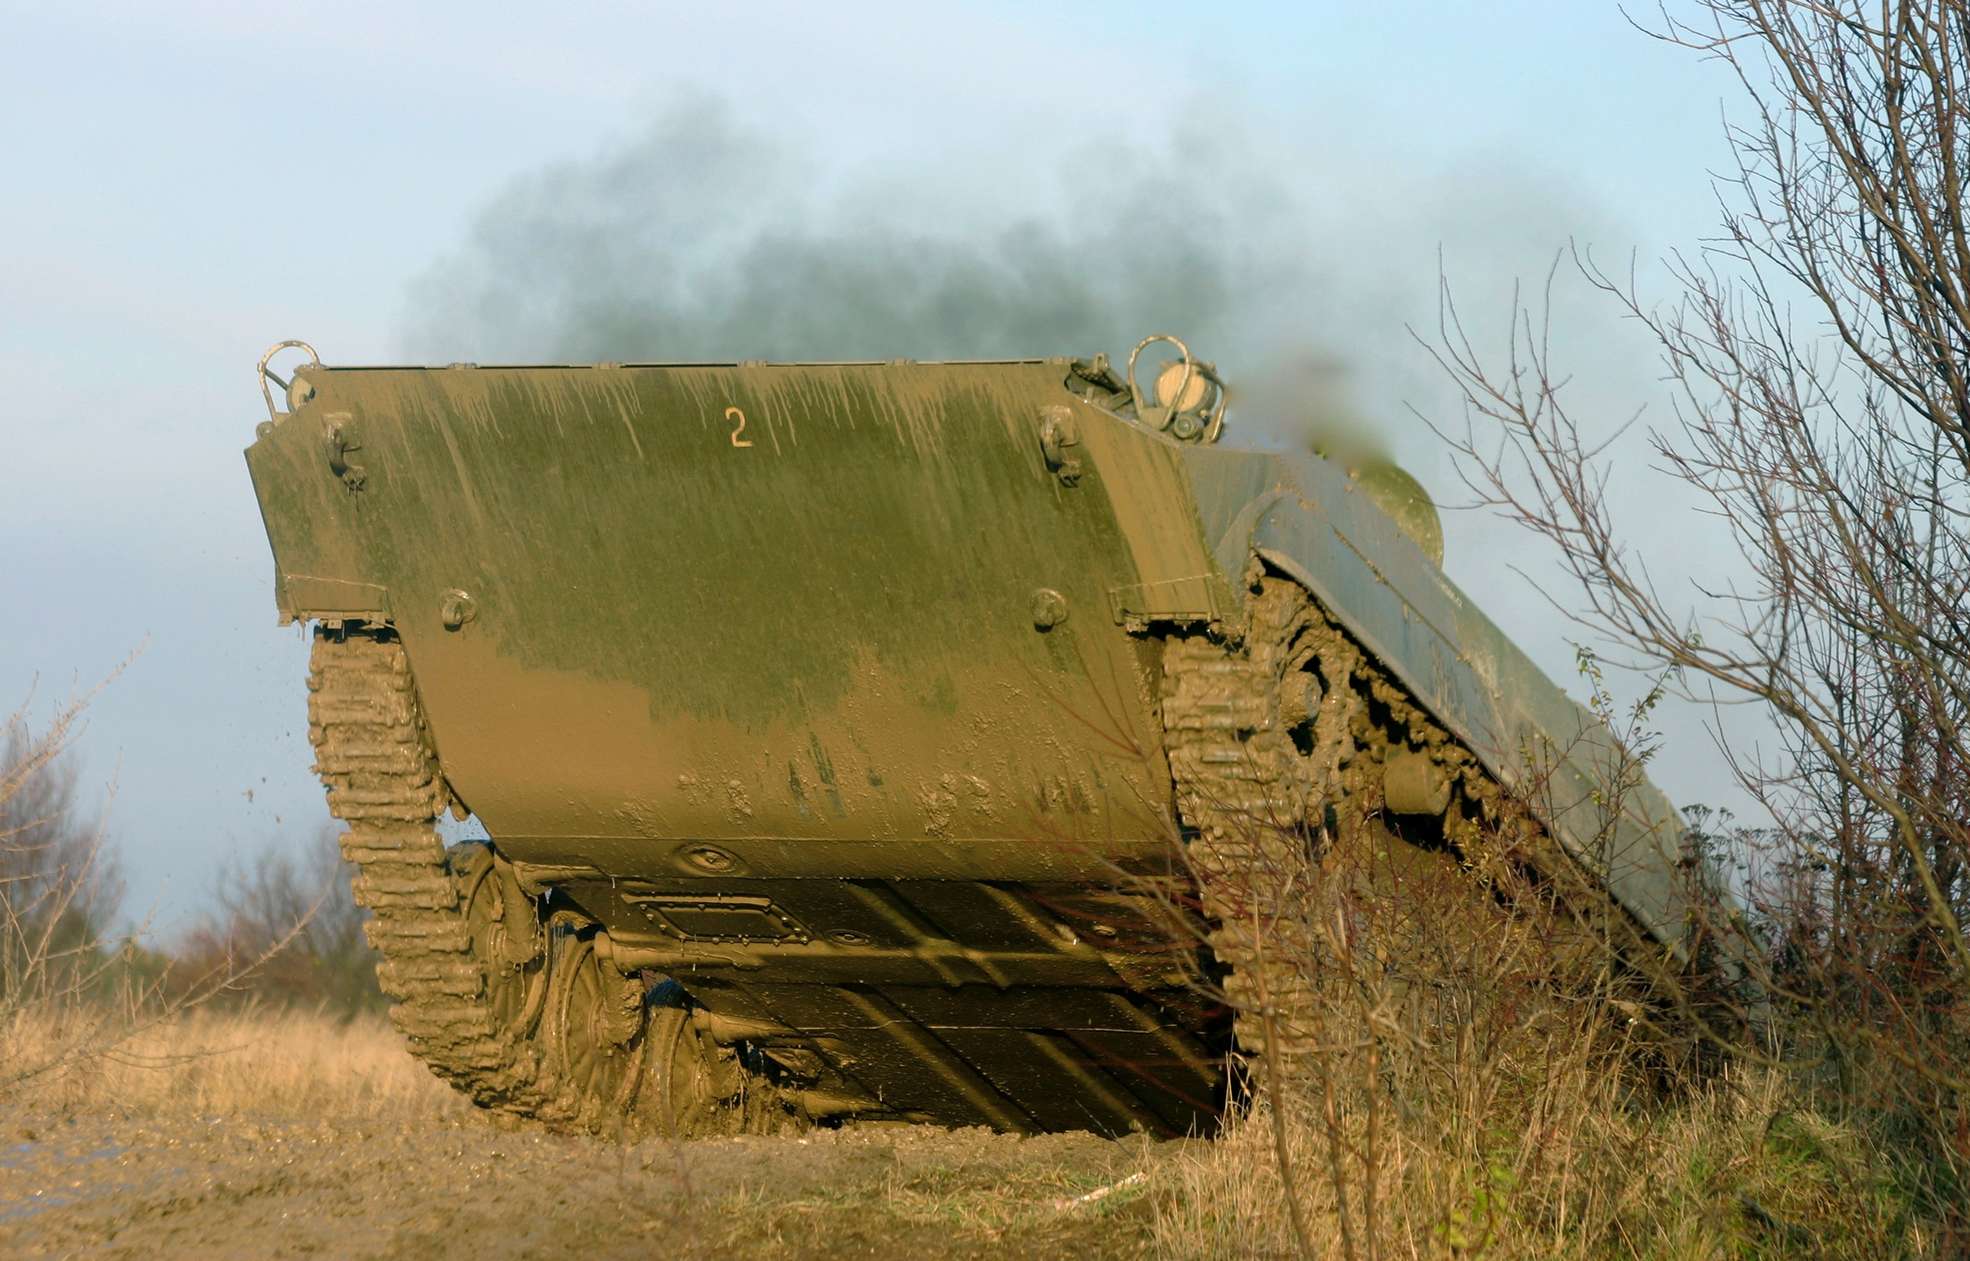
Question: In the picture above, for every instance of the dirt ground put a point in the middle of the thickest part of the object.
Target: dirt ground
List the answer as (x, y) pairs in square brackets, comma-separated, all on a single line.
[(292, 1135), (103, 1185)]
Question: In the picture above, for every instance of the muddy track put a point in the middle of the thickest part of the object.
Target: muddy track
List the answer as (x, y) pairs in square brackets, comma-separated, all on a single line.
[(375, 759), (1278, 742), (1246, 790)]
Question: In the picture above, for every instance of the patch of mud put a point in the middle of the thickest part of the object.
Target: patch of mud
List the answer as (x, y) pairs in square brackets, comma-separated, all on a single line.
[(157, 1188)]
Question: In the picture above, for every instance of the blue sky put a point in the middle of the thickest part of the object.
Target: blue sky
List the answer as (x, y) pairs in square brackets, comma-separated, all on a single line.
[(188, 183)]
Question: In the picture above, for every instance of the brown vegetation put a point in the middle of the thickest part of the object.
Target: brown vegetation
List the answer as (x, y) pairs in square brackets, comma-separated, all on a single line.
[(247, 1062), (1496, 1083), (281, 933), (59, 881), (58, 889), (294, 915), (1820, 356)]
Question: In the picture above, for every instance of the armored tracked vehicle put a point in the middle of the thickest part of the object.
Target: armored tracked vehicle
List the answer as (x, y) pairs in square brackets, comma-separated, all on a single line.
[(887, 740)]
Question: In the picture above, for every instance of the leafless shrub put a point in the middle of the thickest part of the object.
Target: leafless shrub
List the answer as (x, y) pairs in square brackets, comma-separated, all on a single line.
[(58, 881), (303, 900), (71, 989), (1492, 1069), (1833, 449), (66, 989)]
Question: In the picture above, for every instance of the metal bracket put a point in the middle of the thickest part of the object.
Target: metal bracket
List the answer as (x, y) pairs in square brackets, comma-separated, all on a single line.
[(1190, 601), (726, 918), (306, 596), (1057, 433)]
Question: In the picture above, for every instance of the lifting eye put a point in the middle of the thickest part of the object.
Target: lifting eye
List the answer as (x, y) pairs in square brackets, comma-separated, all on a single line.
[(296, 390), (1189, 398)]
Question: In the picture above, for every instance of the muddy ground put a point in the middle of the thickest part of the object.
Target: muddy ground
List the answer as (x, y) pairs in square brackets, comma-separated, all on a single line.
[(104, 1184)]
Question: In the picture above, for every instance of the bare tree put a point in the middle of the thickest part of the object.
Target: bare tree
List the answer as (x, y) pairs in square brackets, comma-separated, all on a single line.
[(294, 909), (73, 987), (1820, 361), (58, 881)]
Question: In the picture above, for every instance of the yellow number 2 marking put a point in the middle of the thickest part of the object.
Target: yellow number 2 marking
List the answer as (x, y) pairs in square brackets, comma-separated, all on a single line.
[(733, 413)]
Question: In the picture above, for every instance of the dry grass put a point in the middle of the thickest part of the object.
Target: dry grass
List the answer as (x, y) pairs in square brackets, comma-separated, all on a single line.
[(1732, 1172), (1562, 1158), (1497, 1085), (287, 1064)]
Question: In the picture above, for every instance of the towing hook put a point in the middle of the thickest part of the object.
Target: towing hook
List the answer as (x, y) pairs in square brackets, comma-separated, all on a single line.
[(338, 440)]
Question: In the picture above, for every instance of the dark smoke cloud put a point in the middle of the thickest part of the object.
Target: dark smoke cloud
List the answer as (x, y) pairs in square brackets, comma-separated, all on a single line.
[(704, 240), (1295, 268)]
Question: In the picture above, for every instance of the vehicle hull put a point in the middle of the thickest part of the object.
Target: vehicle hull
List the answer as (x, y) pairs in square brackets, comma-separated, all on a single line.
[(833, 690)]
